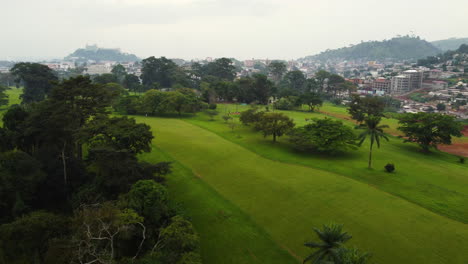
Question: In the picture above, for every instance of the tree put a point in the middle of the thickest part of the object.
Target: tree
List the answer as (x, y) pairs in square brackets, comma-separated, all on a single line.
[(3, 95), (251, 116), (36, 78), (332, 239), (295, 80), (159, 70), (322, 78), (312, 100), (275, 124), (211, 113), (105, 78), (361, 107), (335, 83), (31, 233), (441, 107), (150, 200), (131, 82), (277, 69), (178, 243), (99, 230), (429, 129), (119, 72), (323, 135), (262, 88), (374, 132), (222, 68)]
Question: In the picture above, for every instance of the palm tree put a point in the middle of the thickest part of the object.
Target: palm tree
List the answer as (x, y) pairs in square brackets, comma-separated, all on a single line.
[(374, 132), (332, 238)]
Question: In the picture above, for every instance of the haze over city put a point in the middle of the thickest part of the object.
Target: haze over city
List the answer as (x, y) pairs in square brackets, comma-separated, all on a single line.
[(242, 29)]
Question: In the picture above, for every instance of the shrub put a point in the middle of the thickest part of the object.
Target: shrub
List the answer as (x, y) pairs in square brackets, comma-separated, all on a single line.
[(212, 106), (250, 116), (462, 160), (390, 167), (227, 118)]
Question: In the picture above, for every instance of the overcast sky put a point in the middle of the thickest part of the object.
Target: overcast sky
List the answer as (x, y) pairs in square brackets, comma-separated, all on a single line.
[(244, 29)]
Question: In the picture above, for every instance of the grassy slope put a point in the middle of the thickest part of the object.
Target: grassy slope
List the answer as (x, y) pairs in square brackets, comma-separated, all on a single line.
[(227, 234), (287, 200), (435, 181)]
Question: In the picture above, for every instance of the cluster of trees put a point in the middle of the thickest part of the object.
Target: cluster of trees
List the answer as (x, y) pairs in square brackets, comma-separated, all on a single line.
[(154, 102), (320, 135), (72, 189)]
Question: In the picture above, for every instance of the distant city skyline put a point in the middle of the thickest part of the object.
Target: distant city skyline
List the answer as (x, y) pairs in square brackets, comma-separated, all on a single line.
[(242, 29)]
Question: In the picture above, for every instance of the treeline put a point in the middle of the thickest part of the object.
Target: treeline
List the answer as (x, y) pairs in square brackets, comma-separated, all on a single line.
[(400, 48), (431, 61), (72, 189)]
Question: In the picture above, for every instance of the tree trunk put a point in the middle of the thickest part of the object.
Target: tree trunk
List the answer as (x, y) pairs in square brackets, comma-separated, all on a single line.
[(370, 156), (274, 137), (64, 163)]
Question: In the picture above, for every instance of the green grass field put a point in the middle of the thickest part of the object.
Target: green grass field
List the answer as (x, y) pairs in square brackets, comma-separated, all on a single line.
[(287, 200)]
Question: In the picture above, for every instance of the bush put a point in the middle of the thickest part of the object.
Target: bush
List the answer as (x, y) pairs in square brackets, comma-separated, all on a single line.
[(462, 160), (212, 106), (250, 116), (390, 167)]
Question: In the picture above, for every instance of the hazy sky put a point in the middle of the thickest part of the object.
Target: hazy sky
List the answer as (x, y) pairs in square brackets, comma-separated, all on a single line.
[(243, 29)]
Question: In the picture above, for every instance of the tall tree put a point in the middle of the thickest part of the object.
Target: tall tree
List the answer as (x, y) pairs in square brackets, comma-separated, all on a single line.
[(374, 132), (277, 69), (222, 68), (119, 72), (429, 129), (161, 71), (295, 80), (275, 124), (322, 79), (361, 107), (332, 239), (36, 78)]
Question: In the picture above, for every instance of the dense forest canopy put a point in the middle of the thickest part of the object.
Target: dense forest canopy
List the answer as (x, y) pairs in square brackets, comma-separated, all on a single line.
[(400, 48), (449, 44)]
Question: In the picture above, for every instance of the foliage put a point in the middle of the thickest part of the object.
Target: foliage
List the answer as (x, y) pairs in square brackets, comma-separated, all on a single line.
[(390, 167), (373, 131), (211, 113), (25, 240), (312, 100), (179, 243), (37, 80), (275, 124), (251, 116), (277, 69), (441, 107), (323, 135), (429, 129), (362, 107), (400, 48), (3, 95), (287, 103), (331, 238), (162, 71)]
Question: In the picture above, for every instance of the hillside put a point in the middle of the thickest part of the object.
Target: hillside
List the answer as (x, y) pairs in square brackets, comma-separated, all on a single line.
[(449, 44), (95, 53), (398, 48)]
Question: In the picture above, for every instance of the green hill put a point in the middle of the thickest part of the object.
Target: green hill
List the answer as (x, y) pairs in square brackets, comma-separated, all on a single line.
[(450, 44), (95, 53), (398, 48)]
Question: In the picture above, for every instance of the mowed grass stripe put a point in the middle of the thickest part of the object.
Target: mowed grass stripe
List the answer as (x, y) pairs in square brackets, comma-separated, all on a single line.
[(227, 235), (436, 181), (287, 200)]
